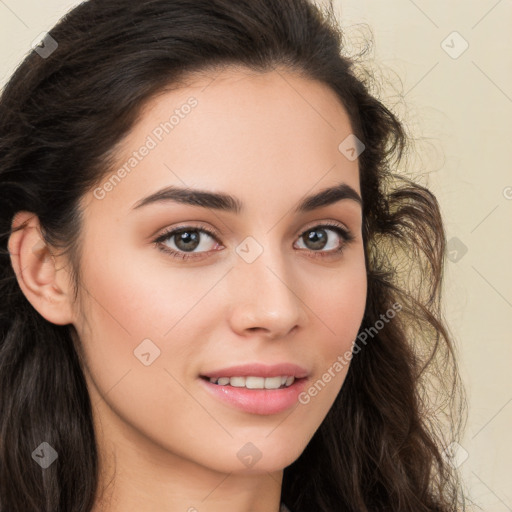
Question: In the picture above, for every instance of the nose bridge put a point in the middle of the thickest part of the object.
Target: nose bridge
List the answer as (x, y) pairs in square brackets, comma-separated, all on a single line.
[(263, 292)]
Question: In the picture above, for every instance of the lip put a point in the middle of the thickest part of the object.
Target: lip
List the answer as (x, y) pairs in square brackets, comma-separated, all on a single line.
[(259, 370), (257, 401)]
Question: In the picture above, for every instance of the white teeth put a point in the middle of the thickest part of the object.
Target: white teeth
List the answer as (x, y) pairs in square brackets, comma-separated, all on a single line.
[(237, 382), (254, 382), (272, 382)]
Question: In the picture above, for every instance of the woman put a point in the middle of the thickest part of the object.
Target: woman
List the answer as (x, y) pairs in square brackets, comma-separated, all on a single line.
[(283, 360)]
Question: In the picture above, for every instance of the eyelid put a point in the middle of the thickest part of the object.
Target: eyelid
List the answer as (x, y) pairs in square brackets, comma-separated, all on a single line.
[(328, 223), (167, 232)]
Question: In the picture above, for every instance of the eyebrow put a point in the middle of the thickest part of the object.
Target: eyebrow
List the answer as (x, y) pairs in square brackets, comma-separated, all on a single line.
[(228, 203)]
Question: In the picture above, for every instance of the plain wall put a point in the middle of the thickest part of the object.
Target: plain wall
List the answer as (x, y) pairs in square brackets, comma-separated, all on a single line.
[(459, 104)]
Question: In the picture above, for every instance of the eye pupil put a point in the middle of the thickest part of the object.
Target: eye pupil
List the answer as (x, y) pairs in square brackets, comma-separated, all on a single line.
[(190, 238), (318, 241)]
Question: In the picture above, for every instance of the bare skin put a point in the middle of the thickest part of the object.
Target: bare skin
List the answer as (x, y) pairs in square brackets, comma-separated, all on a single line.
[(165, 443)]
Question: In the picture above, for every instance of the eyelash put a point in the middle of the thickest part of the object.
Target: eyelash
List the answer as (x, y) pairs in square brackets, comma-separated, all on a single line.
[(159, 242)]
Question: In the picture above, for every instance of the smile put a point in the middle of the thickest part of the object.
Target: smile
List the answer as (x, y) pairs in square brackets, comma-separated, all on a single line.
[(259, 399)]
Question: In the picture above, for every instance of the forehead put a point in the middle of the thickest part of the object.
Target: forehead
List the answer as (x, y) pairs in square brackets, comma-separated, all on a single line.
[(272, 135)]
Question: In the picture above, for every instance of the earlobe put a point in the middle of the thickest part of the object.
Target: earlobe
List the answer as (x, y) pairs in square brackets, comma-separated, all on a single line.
[(43, 284)]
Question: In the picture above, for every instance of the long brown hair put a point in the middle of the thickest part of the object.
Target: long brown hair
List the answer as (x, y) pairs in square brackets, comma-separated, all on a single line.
[(63, 111)]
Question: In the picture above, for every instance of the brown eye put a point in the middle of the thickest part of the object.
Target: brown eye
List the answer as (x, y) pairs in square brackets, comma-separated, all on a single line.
[(185, 240), (318, 238)]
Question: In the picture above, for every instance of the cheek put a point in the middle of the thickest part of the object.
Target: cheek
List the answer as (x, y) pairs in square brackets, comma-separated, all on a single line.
[(339, 300), (130, 299), (144, 319), (134, 317), (339, 305)]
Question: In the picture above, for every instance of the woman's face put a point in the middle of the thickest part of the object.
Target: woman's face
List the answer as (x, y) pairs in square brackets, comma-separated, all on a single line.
[(256, 277)]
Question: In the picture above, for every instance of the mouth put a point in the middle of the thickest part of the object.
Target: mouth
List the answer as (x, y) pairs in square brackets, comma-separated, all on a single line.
[(255, 394)]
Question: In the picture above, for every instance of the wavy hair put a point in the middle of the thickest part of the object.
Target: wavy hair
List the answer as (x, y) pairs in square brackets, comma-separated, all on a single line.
[(382, 445)]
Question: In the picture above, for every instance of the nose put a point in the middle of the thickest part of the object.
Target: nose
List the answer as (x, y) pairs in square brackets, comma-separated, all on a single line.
[(265, 298)]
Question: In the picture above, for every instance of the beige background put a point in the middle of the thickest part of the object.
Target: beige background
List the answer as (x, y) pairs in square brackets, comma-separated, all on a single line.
[(460, 105)]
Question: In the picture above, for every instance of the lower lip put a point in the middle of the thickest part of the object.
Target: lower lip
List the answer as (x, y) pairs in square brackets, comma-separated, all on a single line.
[(257, 401)]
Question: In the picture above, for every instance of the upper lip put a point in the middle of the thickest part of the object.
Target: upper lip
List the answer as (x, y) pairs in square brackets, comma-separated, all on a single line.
[(259, 370)]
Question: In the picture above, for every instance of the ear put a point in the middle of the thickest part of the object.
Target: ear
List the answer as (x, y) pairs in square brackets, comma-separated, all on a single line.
[(45, 285)]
